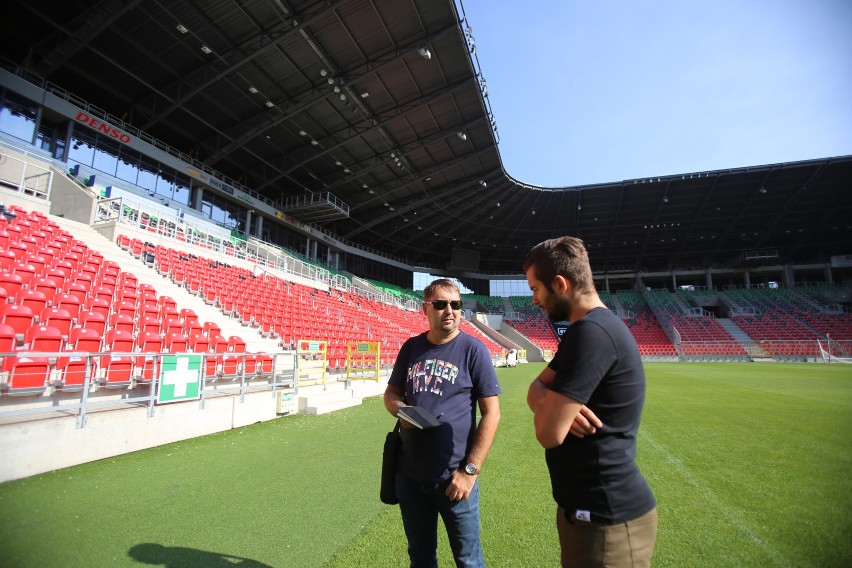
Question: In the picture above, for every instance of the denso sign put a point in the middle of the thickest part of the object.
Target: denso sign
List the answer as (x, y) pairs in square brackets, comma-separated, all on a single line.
[(103, 127)]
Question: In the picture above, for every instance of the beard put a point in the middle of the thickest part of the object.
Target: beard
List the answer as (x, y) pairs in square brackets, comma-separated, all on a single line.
[(559, 309)]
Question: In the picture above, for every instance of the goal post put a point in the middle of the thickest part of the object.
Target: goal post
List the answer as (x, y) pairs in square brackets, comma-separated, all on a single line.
[(833, 351)]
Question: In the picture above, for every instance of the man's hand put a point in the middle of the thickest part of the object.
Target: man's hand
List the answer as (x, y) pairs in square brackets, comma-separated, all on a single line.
[(461, 484), (405, 423), (394, 397), (586, 423)]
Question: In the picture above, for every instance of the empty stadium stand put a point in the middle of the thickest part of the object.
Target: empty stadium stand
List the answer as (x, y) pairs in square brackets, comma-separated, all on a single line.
[(99, 292)]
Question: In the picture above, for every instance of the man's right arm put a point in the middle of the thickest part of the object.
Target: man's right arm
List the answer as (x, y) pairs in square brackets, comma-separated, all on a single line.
[(394, 396), (585, 423)]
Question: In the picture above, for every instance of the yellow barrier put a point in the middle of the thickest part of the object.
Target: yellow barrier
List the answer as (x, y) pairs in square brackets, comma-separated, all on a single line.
[(311, 361), (363, 360)]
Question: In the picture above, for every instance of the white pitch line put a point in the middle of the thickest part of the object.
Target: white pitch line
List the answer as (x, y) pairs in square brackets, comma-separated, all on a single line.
[(736, 520)]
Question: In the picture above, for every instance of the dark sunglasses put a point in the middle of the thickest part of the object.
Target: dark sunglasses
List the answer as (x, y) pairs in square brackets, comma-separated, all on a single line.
[(442, 304)]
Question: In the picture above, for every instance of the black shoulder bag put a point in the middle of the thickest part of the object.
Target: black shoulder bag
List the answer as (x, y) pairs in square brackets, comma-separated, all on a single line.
[(393, 443)]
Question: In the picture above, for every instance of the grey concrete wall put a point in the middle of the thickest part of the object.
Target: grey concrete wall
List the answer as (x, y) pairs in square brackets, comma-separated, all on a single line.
[(33, 445)]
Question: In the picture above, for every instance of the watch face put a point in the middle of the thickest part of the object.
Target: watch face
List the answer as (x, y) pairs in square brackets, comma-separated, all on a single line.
[(470, 469)]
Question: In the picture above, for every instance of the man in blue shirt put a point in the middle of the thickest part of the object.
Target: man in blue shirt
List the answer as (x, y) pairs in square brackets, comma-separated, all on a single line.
[(450, 374)]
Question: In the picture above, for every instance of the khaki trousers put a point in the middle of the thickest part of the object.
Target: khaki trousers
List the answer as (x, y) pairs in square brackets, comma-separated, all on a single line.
[(625, 545)]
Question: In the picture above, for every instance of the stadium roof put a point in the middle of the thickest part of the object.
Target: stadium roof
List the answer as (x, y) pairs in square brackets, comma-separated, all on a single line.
[(381, 104)]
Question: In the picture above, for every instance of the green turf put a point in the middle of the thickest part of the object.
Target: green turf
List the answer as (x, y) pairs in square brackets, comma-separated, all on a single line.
[(750, 464)]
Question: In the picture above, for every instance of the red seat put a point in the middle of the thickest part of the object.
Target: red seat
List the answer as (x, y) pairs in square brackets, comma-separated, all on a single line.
[(128, 280), (198, 343), (72, 368), (167, 301), (110, 268), (96, 305), (211, 329), (63, 270), (171, 324), (68, 302), (27, 375), (21, 318), (122, 321), (60, 318), (148, 291), (231, 364), (26, 271), (93, 320), (149, 324), (104, 292), (176, 343), (147, 366), (47, 284), (79, 288), (11, 282), (118, 369), (7, 259), (187, 314), (191, 327), (38, 262), (125, 307), (44, 339), (8, 339), (34, 299), (259, 364), (236, 344)]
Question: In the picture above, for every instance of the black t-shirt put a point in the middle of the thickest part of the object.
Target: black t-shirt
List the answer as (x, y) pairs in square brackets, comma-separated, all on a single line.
[(598, 364), (447, 380)]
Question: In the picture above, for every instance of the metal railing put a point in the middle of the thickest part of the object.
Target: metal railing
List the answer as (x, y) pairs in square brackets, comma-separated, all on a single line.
[(140, 386)]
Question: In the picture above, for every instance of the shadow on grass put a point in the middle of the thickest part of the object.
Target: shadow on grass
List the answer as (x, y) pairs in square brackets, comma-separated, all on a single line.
[(173, 556)]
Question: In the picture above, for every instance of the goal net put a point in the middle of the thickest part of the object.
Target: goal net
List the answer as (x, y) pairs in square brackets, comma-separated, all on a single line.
[(835, 351)]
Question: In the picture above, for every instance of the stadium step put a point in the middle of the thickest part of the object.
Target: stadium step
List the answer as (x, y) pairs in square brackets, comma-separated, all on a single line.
[(315, 400)]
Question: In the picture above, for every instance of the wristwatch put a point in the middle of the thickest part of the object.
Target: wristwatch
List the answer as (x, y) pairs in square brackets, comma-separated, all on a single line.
[(471, 468)]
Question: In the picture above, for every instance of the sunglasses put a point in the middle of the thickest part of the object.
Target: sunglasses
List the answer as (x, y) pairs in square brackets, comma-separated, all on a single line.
[(442, 304)]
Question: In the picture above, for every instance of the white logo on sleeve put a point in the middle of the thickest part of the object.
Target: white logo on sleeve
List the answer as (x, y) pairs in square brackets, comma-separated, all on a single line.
[(583, 515)]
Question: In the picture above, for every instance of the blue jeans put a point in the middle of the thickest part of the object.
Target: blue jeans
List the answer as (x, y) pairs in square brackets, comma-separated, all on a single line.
[(420, 505)]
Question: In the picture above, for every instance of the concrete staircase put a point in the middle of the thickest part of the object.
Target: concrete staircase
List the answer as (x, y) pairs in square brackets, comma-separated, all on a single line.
[(337, 395), (752, 347), (735, 330)]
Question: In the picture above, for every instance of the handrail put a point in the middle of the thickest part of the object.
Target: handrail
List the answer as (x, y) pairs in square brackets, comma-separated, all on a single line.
[(281, 375)]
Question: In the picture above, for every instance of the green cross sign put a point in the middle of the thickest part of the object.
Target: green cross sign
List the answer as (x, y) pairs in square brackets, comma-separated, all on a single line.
[(180, 378)]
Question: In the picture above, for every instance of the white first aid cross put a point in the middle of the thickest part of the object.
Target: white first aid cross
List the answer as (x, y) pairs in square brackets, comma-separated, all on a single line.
[(179, 373)]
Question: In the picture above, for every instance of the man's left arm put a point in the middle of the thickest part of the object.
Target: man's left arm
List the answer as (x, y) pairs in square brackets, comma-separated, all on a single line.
[(461, 483)]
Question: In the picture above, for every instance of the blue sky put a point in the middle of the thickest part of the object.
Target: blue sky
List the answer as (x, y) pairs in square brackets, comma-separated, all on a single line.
[(588, 91)]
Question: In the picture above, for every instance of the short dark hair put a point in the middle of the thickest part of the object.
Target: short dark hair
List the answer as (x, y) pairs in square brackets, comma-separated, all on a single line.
[(430, 290), (562, 256)]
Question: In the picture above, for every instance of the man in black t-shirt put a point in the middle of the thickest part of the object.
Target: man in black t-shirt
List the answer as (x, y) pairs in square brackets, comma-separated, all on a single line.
[(606, 512)]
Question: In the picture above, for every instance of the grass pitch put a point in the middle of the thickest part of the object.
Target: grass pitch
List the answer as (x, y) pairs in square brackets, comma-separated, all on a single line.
[(750, 464)]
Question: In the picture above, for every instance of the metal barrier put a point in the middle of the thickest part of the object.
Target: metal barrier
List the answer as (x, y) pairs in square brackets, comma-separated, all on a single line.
[(311, 361), (363, 360), (69, 382)]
